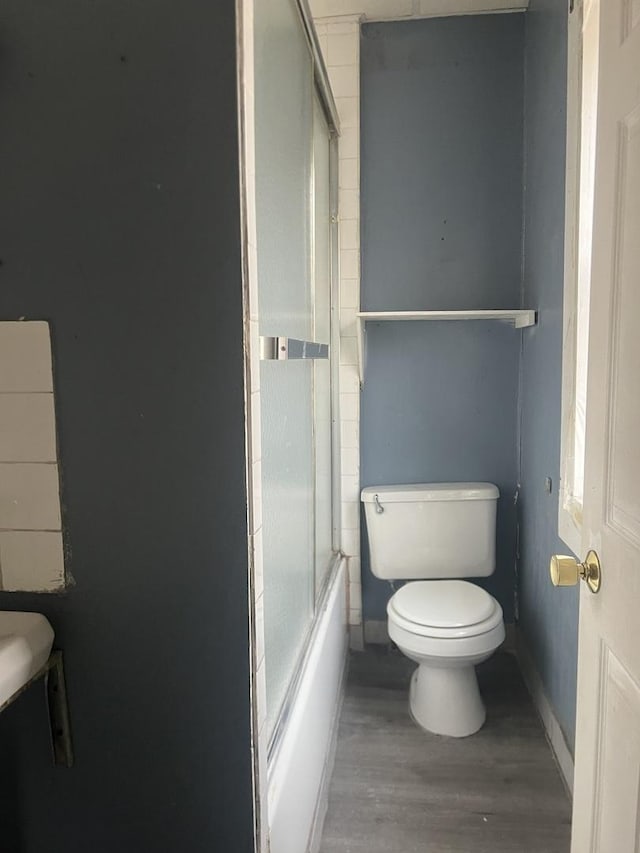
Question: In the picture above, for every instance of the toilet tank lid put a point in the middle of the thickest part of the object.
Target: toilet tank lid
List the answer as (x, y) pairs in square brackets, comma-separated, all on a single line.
[(418, 492)]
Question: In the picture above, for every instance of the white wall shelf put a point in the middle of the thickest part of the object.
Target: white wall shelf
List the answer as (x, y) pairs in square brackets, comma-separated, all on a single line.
[(520, 318)]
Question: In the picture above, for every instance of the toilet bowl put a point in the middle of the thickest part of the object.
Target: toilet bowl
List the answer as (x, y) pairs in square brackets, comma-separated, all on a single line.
[(435, 535), (447, 628)]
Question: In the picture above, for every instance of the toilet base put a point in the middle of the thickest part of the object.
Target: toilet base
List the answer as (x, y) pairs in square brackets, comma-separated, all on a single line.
[(446, 700)]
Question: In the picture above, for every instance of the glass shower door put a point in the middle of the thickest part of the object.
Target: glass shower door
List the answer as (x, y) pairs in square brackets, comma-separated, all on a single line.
[(287, 522), (322, 333), (294, 372)]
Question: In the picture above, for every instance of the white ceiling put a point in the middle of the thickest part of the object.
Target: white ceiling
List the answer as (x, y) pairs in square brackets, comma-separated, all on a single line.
[(384, 10)]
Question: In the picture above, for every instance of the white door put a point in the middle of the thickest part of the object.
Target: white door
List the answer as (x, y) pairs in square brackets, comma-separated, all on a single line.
[(606, 815)]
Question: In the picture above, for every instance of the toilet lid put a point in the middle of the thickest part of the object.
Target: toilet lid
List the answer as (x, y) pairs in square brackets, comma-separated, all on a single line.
[(443, 604)]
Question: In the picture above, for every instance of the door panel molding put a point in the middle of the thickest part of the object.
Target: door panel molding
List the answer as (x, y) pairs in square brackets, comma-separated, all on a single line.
[(614, 814), (623, 468)]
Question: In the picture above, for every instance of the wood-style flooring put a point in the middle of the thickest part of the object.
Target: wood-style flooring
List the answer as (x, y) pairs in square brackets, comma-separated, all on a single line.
[(397, 789)]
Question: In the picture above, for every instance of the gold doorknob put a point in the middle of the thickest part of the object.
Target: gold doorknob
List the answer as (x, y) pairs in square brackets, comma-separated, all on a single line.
[(567, 571)]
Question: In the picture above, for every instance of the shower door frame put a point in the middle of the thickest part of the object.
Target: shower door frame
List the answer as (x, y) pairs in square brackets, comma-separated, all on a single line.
[(320, 593), (265, 753)]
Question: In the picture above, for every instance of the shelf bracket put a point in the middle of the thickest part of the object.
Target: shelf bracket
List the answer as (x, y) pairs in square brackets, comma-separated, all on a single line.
[(520, 318), (59, 721)]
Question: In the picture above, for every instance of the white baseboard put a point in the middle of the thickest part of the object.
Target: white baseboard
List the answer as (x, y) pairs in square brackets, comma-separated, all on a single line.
[(315, 837), (550, 722)]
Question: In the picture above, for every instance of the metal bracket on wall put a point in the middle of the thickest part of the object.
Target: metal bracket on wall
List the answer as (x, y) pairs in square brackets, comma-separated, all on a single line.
[(59, 722)]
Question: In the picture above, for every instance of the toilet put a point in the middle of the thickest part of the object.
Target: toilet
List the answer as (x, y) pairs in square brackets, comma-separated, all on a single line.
[(434, 535)]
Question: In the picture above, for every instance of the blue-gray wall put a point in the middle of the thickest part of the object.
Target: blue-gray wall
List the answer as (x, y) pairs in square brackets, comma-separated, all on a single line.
[(120, 225), (441, 167), (548, 616)]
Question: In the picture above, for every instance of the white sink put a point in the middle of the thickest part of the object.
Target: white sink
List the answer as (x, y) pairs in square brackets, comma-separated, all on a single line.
[(25, 645)]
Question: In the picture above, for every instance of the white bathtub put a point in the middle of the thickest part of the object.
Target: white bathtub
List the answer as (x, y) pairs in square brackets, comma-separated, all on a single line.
[(299, 771)]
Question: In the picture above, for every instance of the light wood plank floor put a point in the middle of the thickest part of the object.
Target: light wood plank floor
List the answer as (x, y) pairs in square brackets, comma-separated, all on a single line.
[(396, 789)]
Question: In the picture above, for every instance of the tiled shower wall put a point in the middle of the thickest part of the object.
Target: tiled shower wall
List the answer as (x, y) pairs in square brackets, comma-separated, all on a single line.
[(340, 42)]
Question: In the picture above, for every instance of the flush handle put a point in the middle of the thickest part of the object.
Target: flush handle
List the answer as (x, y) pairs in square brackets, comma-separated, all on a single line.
[(379, 507), (567, 571)]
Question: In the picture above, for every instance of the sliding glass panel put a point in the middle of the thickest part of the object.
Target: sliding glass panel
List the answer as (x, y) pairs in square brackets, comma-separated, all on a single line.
[(324, 516), (287, 484), (294, 302), (284, 140), (322, 224), (322, 300), (284, 128)]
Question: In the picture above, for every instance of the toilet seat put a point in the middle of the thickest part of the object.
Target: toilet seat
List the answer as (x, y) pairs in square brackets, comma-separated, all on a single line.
[(444, 609)]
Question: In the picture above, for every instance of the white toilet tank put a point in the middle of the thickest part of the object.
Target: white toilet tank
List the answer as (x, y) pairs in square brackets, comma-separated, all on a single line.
[(431, 530)]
